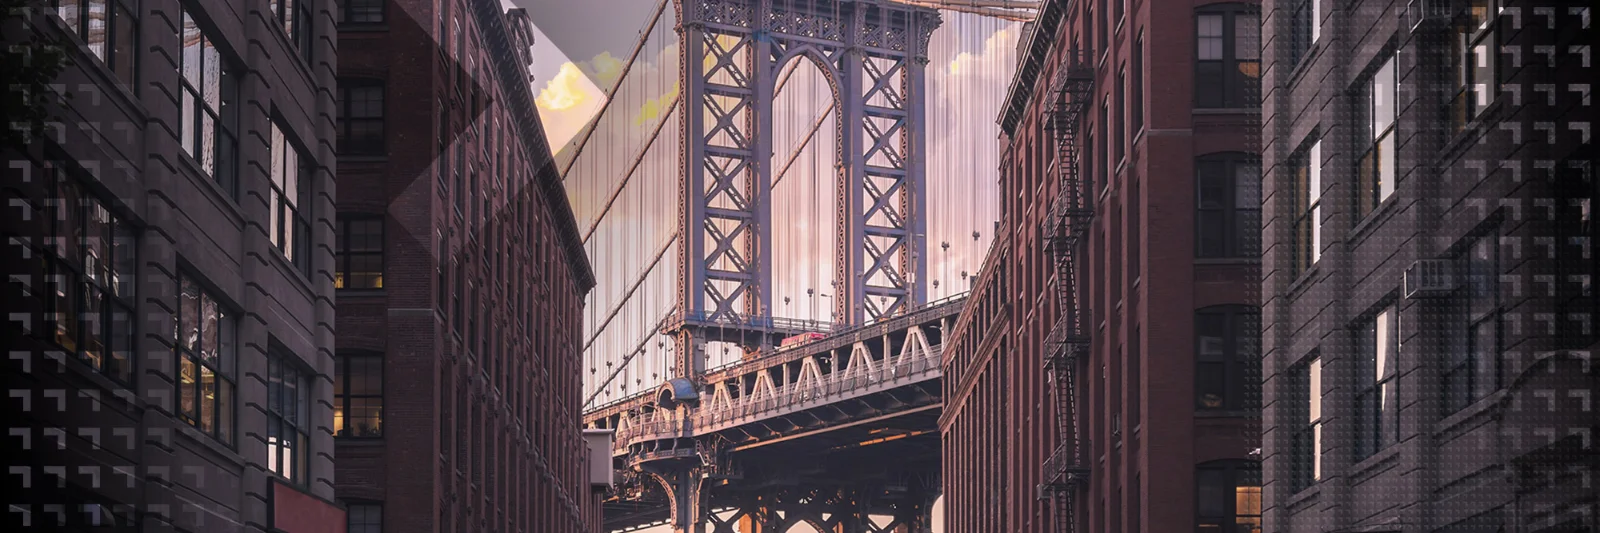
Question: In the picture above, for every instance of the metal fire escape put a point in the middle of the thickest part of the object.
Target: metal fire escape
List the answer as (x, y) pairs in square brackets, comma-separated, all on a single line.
[(1065, 472)]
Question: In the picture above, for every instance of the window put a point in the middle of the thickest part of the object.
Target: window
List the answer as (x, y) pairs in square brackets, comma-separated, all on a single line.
[(364, 518), (210, 114), (1307, 168), (288, 400), (1122, 110), (1228, 497), (1375, 174), (1228, 358), (361, 117), (1228, 48), (1228, 206), (1377, 407), (362, 12), (1305, 448), (290, 229), (1305, 26), (1474, 372), (358, 253), (295, 18), (1472, 70), (206, 352), (110, 28), (89, 265), (1138, 84), (358, 395)]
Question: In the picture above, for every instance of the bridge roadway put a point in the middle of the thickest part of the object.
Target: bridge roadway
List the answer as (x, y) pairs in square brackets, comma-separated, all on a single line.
[(831, 432)]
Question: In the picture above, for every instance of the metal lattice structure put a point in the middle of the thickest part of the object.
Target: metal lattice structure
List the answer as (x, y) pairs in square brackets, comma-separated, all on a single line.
[(872, 54), (1066, 472)]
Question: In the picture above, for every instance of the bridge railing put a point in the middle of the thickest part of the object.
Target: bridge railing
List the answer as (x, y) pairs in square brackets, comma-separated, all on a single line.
[(889, 372)]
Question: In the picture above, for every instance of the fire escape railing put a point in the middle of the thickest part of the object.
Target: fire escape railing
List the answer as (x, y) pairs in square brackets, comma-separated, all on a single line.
[(1065, 472)]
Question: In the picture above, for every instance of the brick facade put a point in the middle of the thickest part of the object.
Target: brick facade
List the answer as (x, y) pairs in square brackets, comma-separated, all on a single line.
[(479, 313)]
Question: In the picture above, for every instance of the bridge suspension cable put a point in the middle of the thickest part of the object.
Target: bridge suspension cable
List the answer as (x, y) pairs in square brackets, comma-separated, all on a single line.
[(588, 132)]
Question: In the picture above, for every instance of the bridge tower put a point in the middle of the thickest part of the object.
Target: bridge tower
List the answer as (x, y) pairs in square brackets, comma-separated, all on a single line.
[(873, 54)]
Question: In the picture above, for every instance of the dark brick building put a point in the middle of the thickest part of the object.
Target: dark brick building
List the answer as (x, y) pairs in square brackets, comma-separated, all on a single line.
[(1166, 387), (461, 281), (168, 251), (1430, 320)]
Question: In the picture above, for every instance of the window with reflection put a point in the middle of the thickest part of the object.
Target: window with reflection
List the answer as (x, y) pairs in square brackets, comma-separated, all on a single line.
[(1377, 404), (1304, 27), (209, 103), (358, 252), (358, 395), (1228, 362), (290, 227), (1228, 56), (1228, 497), (86, 253), (294, 16), (1473, 58), (206, 354), (1375, 173), (1305, 447), (288, 417), (1473, 371), (1307, 169), (1228, 206), (110, 28)]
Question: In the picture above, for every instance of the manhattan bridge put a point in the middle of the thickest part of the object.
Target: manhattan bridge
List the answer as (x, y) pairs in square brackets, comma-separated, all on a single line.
[(786, 202)]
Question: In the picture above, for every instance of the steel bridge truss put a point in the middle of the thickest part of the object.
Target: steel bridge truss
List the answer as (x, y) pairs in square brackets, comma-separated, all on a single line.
[(872, 53), (1067, 345)]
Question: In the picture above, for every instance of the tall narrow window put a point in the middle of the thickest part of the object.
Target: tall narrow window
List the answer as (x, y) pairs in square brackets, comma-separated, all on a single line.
[(361, 117), (1228, 56), (1304, 27), (1375, 174), (1121, 115), (295, 18), (1307, 168), (1228, 358), (1473, 60), (1377, 407), (109, 28), (358, 253), (209, 105), (1305, 449), (1474, 372), (364, 518), (290, 228), (1138, 84), (358, 395), (1228, 497), (206, 351), (1228, 210), (288, 418), (1107, 145)]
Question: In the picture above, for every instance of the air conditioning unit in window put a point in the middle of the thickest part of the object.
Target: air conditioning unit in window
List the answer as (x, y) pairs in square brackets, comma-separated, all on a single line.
[(1430, 278), (1422, 15)]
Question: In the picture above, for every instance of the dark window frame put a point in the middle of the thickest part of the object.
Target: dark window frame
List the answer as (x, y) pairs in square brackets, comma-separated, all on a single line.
[(364, 517), (374, 142), (1306, 169), (1240, 225), (192, 354), (1474, 63), (345, 396), (1138, 83), (1377, 388), (292, 17), (1236, 474), (1236, 361), (290, 220), (291, 463), (1232, 88), (344, 255), (121, 58), (200, 101), (1377, 144), (1305, 449), (1475, 372), (363, 12), (1304, 28)]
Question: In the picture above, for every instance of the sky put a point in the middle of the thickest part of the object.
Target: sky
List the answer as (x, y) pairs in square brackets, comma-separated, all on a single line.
[(580, 52)]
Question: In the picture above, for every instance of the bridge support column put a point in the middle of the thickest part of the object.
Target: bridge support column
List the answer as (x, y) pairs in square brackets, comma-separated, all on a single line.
[(690, 496)]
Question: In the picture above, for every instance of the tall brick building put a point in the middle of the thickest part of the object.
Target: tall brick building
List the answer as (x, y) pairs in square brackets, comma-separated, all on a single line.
[(1163, 354), (168, 251), (1430, 325), (461, 281)]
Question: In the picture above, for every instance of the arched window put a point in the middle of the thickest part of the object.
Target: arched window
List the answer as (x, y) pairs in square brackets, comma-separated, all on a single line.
[(1228, 206), (1228, 497), (1227, 358)]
